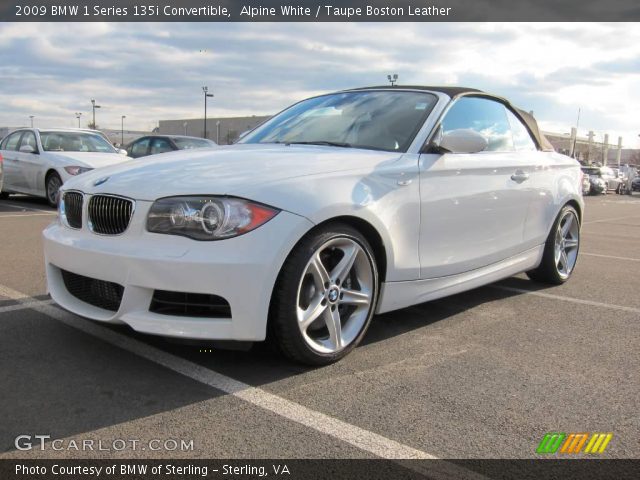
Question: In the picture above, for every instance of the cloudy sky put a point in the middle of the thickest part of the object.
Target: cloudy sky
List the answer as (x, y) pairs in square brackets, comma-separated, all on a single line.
[(152, 71)]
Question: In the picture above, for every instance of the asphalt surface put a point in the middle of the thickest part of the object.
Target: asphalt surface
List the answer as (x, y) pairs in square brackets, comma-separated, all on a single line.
[(484, 374)]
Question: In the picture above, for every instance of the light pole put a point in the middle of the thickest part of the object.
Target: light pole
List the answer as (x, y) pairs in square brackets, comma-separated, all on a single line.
[(78, 115), (218, 132), (205, 90), (31, 117), (93, 110), (185, 124), (122, 129), (393, 78)]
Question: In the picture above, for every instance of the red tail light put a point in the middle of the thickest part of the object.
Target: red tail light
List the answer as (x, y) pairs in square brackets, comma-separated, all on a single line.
[(0, 158)]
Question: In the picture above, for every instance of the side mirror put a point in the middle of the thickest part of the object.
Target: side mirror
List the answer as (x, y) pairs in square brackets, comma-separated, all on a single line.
[(122, 151), (461, 141), (27, 149)]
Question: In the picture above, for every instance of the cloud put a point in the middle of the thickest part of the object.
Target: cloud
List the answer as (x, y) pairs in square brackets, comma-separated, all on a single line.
[(152, 71)]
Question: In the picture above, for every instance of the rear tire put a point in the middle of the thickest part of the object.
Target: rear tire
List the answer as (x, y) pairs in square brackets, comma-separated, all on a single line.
[(317, 317), (560, 250)]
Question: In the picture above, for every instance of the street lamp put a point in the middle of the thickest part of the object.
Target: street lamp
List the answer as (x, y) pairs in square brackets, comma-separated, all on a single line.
[(205, 90), (185, 124), (393, 78), (122, 129), (93, 110), (31, 117), (78, 115)]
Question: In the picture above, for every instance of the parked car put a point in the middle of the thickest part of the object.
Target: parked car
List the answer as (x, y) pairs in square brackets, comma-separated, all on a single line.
[(343, 205), (1, 176), (611, 178), (597, 184), (586, 184), (635, 184), (151, 145), (38, 161)]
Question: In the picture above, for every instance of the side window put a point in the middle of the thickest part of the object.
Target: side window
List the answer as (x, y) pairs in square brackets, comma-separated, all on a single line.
[(160, 145), (29, 138), (139, 148), (11, 142), (521, 137), (484, 116)]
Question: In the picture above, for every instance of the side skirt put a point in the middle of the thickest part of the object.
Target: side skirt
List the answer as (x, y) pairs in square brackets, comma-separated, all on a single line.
[(396, 295)]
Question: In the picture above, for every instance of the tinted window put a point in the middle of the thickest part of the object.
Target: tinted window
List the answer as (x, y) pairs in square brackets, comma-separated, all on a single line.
[(378, 120), (29, 138), (486, 117), (160, 145), (186, 143), (521, 137), (11, 142), (140, 147)]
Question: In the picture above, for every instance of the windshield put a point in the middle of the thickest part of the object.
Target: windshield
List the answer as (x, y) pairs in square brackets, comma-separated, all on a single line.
[(187, 143), (75, 142), (377, 120)]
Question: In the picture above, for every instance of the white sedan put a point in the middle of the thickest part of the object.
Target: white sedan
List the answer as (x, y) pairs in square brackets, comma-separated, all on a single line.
[(37, 161), (341, 206)]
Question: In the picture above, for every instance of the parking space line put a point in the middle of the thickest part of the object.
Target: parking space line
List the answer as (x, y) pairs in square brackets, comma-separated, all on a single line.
[(608, 220), (24, 305), (20, 207), (365, 440), (18, 215), (564, 299), (614, 257)]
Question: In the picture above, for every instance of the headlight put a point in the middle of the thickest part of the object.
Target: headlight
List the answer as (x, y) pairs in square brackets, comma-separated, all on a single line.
[(77, 170), (207, 218)]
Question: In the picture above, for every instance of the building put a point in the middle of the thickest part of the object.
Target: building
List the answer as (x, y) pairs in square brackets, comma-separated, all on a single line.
[(586, 150), (223, 131)]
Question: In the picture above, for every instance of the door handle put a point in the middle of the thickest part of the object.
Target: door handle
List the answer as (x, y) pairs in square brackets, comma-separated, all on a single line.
[(520, 176)]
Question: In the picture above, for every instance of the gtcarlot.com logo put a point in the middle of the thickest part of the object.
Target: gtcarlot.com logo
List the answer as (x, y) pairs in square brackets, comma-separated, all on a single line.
[(573, 443), (44, 442)]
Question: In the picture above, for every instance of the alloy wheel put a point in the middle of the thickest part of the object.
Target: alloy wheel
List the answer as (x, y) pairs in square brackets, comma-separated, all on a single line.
[(335, 295), (53, 185), (567, 242)]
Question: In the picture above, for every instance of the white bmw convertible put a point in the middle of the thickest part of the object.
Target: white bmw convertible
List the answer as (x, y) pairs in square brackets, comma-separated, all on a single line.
[(342, 206)]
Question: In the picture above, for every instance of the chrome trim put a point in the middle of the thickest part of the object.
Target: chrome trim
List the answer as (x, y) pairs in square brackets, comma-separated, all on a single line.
[(62, 209), (90, 223)]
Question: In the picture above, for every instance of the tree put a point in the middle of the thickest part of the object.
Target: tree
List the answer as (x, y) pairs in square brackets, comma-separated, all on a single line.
[(92, 126)]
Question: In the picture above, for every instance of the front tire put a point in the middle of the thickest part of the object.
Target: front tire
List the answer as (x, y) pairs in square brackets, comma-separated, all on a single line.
[(52, 185), (560, 250), (325, 296)]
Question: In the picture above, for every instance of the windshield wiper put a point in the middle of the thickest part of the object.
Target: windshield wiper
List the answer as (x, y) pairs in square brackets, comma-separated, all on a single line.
[(322, 142)]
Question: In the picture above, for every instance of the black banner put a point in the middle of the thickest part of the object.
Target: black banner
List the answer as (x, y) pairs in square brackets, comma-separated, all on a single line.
[(317, 10), (583, 469)]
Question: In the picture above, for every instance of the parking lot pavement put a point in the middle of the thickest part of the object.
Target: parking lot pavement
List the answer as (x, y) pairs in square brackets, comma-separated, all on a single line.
[(483, 374)]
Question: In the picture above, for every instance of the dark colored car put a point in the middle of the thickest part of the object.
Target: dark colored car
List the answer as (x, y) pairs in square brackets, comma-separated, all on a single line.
[(153, 144), (635, 185), (598, 184)]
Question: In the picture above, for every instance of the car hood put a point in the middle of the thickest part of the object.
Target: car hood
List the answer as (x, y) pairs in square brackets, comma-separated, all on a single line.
[(87, 159), (223, 170)]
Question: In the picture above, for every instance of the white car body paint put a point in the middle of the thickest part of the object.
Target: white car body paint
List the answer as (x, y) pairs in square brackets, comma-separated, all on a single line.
[(26, 172), (448, 223)]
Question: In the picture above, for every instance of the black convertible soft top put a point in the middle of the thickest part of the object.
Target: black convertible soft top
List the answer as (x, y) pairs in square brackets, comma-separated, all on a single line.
[(453, 92)]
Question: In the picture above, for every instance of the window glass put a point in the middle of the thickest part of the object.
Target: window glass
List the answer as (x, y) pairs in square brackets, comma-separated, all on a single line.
[(377, 120), (160, 145), (486, 117), (139, 148), (521, 137), (187, 143), (75, 142), (11, 142), (29, 138)]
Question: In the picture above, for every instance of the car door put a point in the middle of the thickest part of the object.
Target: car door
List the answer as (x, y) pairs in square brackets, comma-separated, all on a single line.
[(139, 148), (13, 180), (473, 205), (31, 164), (160, 145)]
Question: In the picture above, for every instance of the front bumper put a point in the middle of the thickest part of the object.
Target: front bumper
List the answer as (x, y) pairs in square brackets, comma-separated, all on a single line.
[(242, 270)]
